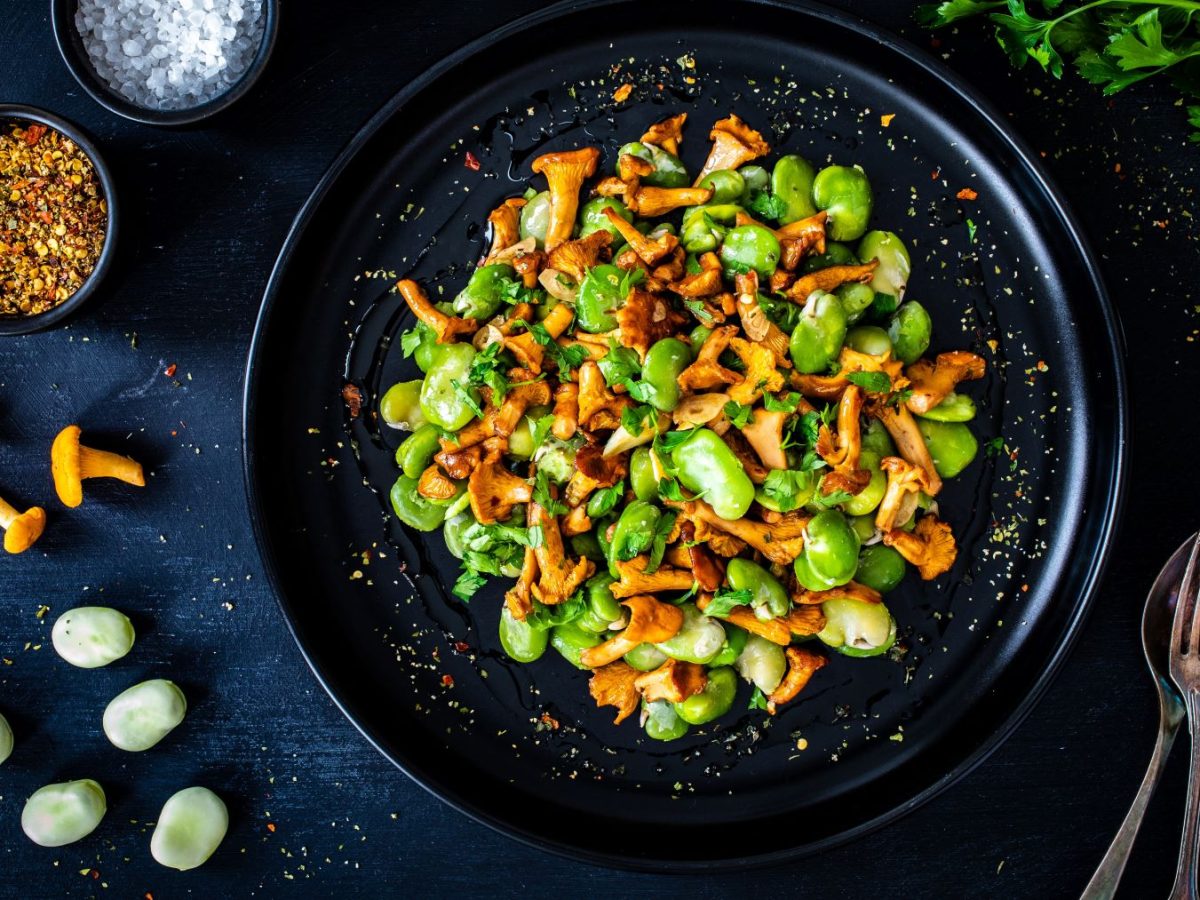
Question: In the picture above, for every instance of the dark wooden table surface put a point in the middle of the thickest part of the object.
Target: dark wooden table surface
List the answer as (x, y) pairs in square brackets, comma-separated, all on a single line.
[(316, 811)]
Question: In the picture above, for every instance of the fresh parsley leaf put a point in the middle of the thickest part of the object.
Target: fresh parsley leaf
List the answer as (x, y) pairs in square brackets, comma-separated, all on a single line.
[(543, 617), (758, 700), (467, 585), (768, 206), (543, 498), (785, 403), (725, 600), (633, 418), (696, 307), (883, 305), (633, 277), (788, 489), (658, 543), (640, 391), (604, 500), (737, 268), (872, 382), (738, 414), (970, 231), (488, 369), (620, 364), (669, 489), (414, 337), (466, 394), (539, 430), (666, 442), (566, 358), (994, 446), (832, 499)]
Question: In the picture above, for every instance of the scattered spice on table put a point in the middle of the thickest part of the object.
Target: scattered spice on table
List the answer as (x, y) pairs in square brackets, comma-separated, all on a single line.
[(53, 217)]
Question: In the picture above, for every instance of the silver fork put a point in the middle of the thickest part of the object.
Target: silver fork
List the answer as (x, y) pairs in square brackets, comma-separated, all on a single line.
[(1185, 672)]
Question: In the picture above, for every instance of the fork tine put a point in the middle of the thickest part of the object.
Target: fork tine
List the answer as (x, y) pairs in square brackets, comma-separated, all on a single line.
[(1184, 624)]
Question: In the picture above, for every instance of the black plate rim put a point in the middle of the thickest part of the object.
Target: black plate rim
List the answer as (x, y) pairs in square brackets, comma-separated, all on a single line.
[(1104, 541)]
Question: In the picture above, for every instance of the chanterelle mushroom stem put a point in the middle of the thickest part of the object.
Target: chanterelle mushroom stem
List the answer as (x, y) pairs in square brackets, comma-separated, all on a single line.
[(21, 529), (71, 463)]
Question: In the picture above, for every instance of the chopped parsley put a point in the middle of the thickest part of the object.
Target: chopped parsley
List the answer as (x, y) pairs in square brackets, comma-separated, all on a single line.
[(414, 338), (658, 543), (604, 500), (738, 414), (633, 418), (543, 617), (487, 369), (872, 382), (785, 403), (543, 498), (768, 206), (788, 489), (467, 396), (467, 585), (758, 700), (724, 601)]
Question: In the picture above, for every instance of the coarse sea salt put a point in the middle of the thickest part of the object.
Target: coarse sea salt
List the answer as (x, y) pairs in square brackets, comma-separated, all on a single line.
[(171, 54)]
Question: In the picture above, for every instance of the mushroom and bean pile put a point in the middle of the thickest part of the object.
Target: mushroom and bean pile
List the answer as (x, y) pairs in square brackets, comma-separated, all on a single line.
[(702, 446)]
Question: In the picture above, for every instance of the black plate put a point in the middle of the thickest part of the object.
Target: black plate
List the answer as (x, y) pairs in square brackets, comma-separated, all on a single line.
[(882, 736)]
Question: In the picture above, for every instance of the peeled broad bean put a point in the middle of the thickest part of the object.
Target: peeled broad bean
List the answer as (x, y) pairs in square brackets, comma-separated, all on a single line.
[(414, 455), (953, 408), (60, 814), (881, 568), (857, 628), (705, 227), (756, 179), (727, 185), (792, 182), (484, 293), (856, 299), (845, 193), (665, 361), (593, 219), (641, 475), (870, 339), (818, 337), (891, 275), (835, 254), (521, 641), (140, 717), (570, 641), (603, 608), (762, 663), (414, 510), (634, 529), (750, 247), (910, 330), (735, 642), (830, 554), (92, 636), (645, 657), (699, 640), (190, 827), (400, 406), (870, 496), (706, 465), (662, 722), (769, 599), (442, 403), (6, 739), (951, 444), (599, 297), (669, 171), (714, 701), (876, 438), (535, 218)]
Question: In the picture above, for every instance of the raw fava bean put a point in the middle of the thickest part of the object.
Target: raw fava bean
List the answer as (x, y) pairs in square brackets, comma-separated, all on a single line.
[(557, 459), (454, 533), (769, 597), (697, 336), (954, 408), (520, 442), (426, 346), (881, 568), (603, 609), (587, 545), (762, 663), (756, 179), (818, 337), (414, 510), (400, 406), (635, 530), (665, 360), (835, 255), (6, 739), (641, 475), (870, 339), (856, 628), (599, 296), (727, 185), (645, 657), (60, 814), (705, 227), (442, 403), (844, 193), (951, 444), (870, 496), (876, 439), (792, 182), (750, 247), (856, 299), (190, 827), (891, 275), (92, 636), (662, 722), (484, 294), (570, 641), (593, 219), (910, 330), (864, 527), (669, 171), (522, 642), (735, 642), (535, 218), (414, 455), (699, 640), (143, 715), (706, 465), (714, 701), (830, 553)]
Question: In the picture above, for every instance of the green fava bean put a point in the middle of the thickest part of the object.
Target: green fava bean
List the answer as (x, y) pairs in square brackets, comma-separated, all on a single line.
[(756, 179), (522, 642), (416, 453), (762, 663), (697, 336), (951, 444), (442, 403), (427, 348), (61, 814), (870, 339), (845, 193), (535, 218), (593, 219), (705, 227), (635, 530), (706, 465), (954, 408), (662, 722), (484, 294), (714, 701), (669, 171), (876, 439), (599, 297), (603, 608), (454, 533), (92, 636), (735, 642), (910, 329), (870, 496), (727, 185), (140, 717), (881, 568), (769, 597), (6, 739), (699, 639), (856, 299), (864, 527), (830, 554), (835, 255), (750, 247), (414, 510), (891, 275), (818, 337), (587, 545), (641, 475), (645, 657), (570, 641), (190, 828), (792, 182), (400, 406), (856, 628), (665, 361)]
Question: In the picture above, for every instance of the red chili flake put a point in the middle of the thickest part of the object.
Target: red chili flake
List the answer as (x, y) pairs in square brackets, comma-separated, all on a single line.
[(935, 174), (95, 873), (447, 681), (471, 162), (967, 194), (550, 722), (462, 646), (1159, 223), (170, 370), (935, 42), (353, 399), (148, 896), (271, 827), (33, 133), (1024, 589)]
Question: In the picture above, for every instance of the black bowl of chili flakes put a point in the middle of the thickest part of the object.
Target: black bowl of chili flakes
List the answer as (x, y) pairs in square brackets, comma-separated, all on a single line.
[(58, 219)]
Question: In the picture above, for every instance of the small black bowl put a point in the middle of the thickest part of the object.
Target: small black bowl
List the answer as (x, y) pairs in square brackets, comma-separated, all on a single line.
[(14, 325), (70, 45)]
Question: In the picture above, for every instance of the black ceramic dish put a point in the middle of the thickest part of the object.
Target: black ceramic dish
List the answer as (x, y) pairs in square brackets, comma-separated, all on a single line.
[(14, 325), (70, 45), (1034, 522)]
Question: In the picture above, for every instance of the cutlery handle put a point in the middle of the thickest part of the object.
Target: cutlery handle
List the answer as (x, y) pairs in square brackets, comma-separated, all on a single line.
[(1108, 874), (1185, 873)]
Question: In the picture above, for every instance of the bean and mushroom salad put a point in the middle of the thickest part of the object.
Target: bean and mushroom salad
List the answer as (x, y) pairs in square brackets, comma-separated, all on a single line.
[(692, 419)]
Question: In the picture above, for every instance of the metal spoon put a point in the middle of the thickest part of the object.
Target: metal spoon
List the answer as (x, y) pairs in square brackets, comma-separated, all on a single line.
[(1156, 641)]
